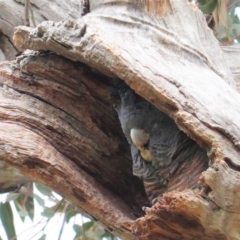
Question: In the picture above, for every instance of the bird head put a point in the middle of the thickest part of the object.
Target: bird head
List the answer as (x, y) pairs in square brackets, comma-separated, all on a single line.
[(141, 139)]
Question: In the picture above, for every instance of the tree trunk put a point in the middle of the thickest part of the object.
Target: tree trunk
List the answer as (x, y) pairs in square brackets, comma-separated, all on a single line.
[(59, 126)]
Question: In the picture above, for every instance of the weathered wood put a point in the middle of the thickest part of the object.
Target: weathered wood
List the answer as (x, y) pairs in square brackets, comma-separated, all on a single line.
[(186, 215), (12, 15), (177, 65), (59, 127)]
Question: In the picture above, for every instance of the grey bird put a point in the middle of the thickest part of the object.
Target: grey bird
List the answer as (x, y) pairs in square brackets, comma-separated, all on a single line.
[(163, 156)]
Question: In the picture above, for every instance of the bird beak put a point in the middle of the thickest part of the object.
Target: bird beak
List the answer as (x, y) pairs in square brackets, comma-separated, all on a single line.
[(140, 138)]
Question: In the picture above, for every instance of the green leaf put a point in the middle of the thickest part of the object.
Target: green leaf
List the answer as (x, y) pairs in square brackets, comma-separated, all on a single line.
[(22, 204), (46, 191), (202, 2), (225, 39), (233, 33), (60, 206), (208, 7), (236, 27), (106, 235), (23, 213), (233, 4), (70, 213), (88, 225), (29, 206), (43, 237), (236, 20), (38, 199), (238, 39), (12, 196), (6, 216), (221, 32), (48, 212), (78, 230), (19, 207)]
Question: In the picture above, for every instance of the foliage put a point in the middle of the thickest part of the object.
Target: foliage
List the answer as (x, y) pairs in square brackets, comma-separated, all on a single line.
[(222, 16), (24, 202)]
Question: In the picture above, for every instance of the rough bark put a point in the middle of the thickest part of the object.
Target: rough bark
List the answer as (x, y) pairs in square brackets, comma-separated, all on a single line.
[(12, 15), (58, 127), (174, 63)]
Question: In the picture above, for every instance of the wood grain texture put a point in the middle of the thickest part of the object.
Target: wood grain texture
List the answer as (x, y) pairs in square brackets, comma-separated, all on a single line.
[(12, 15), (172, 62), (59, 128)]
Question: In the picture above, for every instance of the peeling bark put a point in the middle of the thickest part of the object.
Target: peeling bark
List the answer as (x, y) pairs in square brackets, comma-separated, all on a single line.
[(172, 62), (59, 128), (12, 15)]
